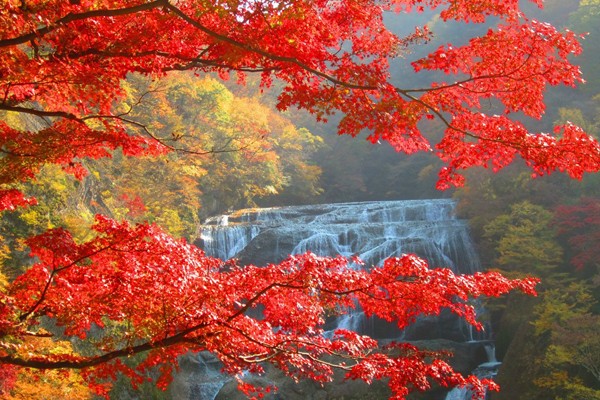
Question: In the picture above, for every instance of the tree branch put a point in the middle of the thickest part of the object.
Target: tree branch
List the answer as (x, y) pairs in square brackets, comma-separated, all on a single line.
[(78, 17), (86, 362), (266, 54)]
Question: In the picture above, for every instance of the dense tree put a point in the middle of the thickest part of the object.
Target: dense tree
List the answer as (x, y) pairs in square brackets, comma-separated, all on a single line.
[(556, 347), (579, 225), (586, 19), (236, 151), (571, 359), (524, 241), (63, 64)]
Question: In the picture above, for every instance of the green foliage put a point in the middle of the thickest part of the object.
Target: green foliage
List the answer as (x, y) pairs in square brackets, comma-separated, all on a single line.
[(233, 151), (56, 192), (572, 356), (560, 305), (524, 240), (576, 116), (587, 20)]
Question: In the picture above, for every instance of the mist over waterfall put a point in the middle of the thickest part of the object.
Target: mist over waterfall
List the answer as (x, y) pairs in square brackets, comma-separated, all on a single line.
[(373, 231)]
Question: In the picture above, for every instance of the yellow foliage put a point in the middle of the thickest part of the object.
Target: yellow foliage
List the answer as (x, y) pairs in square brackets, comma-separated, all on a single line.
[(170, 220), (3, 282), (78, 224), (193, 170), (49, 384), (32, 217), (13, 119)]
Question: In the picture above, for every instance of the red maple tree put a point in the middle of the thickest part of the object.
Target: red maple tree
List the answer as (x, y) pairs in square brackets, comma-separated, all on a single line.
[(579, 225), (62, 63)]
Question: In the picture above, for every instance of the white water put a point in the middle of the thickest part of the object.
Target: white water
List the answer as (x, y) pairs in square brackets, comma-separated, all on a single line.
[(458, 394), (488, 369), (199, 378), (373, 231)]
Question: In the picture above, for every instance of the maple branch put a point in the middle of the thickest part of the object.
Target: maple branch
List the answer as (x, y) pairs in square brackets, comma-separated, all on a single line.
[(340, 366), (41, 334), (254, 358), (78, 17), (34, 307), (56, 270), (86, 362), (250, 302), (263, 291), (195, 62), (449, 124), (507, 75), (192, 62), (165, 3), (144, 128), (278, 348), (40, 113), (290, 60), (120, 117)]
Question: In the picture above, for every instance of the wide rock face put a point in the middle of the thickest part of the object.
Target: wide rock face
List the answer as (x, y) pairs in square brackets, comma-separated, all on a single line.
[(373, 231)]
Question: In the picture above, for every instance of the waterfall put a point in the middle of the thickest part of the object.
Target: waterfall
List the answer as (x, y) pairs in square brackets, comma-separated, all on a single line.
[(458, 394), (488, 369), (490, 350), (373, 231), (199, 377)]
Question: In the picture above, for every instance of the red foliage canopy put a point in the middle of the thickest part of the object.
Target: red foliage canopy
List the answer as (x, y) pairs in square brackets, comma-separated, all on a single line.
[(579, 224), (62, 63), (167, 298)]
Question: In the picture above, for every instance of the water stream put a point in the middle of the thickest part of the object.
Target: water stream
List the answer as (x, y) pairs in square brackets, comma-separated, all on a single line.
[(373, 231), (488, 369)]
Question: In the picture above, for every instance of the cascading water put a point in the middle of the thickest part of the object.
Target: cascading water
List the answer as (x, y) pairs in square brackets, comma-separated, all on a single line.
[(488, 369), (373, 231), (199, 377)]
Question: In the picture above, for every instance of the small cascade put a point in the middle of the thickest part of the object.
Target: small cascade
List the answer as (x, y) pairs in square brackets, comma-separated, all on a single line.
[(488, 369), (373, 231), (490, 351), (199, 377), (224, 241), (458, 394)]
